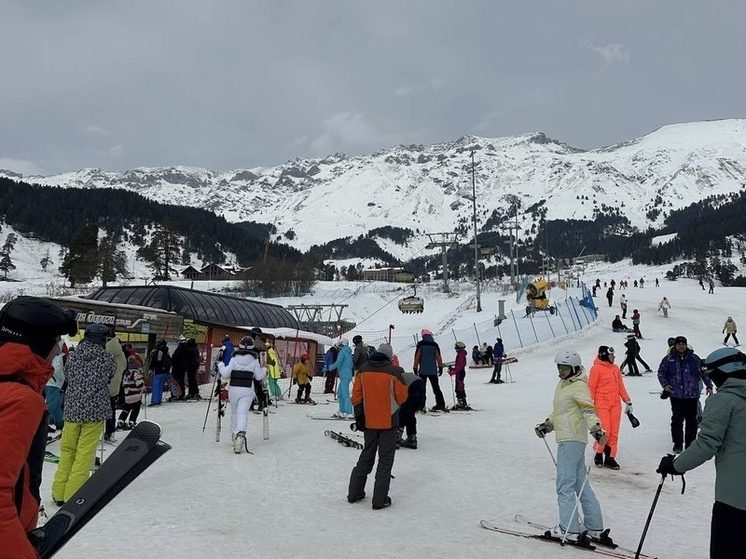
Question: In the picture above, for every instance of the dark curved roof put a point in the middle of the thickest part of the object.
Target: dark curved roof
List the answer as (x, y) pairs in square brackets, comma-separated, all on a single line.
[(200, 306)]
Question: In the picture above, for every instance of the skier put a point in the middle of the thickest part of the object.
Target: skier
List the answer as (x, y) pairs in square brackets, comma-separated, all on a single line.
[(114, 348), (274, 371), (729, 329), (702, 285), (53, 391), (459, 371), (330, 376), (429, 365), (632, 355), (712, 286), (133, 384), (642, 283), (344, 366), (87, 406), (679, 375), (226, 350), (636, 323), (657, 283), (302, 375), (193, 362), (722, 434), (380, 388), (498, 351), (30, 328), (360, 355), (160, 365), (623, 305), (240, 373), (573, 414), (664, 305), (407, 416), (607, 389), (179, 362), (610, 296)]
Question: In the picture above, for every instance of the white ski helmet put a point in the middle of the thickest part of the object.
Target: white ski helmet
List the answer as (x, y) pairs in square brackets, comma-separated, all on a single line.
[(570, 357)]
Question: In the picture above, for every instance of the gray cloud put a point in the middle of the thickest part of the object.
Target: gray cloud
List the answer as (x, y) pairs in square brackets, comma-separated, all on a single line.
[(230, 84)]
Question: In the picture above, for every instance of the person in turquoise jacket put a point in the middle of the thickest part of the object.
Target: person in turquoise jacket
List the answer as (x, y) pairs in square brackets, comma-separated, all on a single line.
[(343, 366), (722, 434)]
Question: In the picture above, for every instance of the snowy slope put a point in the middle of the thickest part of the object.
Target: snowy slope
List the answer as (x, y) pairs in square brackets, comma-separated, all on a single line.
[(425, 187), (288, 500)]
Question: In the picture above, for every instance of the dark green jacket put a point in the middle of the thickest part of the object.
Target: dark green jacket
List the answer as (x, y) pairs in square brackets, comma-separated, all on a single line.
[(722, 435)]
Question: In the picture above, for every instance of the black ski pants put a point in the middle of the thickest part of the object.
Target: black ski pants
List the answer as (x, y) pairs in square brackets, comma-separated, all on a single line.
[(439, 400), (683, 421), (727, 337), (178, 374), (130, 412), (382, 441), (726, 532), (111, 422), (415, 401), (496, 371), (632, 363), (192, 378)]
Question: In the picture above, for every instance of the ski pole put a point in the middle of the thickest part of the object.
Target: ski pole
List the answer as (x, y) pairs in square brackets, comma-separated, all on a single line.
[(575, 508), (550, 451), (453, 390), (650, 517), (209, 402)]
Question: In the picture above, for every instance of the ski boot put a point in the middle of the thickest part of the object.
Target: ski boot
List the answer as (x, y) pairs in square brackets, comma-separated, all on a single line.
[(121, 425), (130, 425), (598, 459), (399, 438), (308, 400), (609, 461), (239, 442), (410, 442)]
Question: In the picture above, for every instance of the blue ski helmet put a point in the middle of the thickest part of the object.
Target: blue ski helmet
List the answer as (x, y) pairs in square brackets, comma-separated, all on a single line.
[(725, 363)]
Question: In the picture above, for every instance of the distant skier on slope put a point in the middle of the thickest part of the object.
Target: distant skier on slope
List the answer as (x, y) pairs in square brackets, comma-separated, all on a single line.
[(428, 363), (730, 328), (459, 371)]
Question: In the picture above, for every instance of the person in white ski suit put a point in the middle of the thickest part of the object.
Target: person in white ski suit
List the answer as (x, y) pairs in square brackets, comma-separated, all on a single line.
[(240, 373)]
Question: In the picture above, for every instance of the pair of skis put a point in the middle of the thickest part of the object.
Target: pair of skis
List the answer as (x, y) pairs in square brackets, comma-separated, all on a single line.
[(343, 439), (602, 547), (134, 455)]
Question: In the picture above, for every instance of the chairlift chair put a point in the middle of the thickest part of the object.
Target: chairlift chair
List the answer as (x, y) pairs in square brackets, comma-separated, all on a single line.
[(412, 304)]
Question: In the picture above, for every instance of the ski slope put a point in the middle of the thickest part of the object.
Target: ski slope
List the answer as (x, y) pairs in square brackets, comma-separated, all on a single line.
[(289, 498)]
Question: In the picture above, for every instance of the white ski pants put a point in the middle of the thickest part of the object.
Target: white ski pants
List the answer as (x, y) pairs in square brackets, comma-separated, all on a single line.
[(241, 398)]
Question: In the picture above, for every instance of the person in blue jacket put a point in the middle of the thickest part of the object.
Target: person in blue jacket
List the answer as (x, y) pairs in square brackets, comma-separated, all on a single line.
[(428, 364), (497, 354), (343, 366), (680, 377), (330, 377), (226, 351)]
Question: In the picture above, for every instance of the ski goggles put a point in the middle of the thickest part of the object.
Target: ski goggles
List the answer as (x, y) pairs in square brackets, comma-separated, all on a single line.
[(565, 370)]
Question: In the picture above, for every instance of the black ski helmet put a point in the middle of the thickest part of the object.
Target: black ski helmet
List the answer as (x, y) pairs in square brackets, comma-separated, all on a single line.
[(605, 353), (246, 343), (35, 322), (357, 339)]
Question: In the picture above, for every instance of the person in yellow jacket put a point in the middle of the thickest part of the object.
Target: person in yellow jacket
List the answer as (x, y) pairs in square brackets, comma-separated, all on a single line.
[(608, 392), (573, 416), (274, 371), (302, 375)]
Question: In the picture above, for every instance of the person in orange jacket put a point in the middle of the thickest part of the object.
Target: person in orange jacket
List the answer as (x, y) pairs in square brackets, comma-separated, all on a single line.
[(30, 329), (608, 391), (380, 389)]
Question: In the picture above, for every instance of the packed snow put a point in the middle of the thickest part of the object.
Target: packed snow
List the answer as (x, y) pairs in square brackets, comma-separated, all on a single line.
[(289, 498)]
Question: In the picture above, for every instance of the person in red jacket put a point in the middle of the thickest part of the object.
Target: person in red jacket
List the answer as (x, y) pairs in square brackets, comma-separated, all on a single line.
[(30, 329), (608, 391), (459, 371), (380, 389)]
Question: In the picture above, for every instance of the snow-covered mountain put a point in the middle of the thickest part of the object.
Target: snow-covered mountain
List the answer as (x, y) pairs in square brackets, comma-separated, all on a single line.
[(428, 188)]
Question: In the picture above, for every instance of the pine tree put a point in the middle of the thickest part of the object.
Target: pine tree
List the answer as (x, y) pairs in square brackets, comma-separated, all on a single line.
[(6, 264), (162, 253), (112, 262), (46, 261), (81, 261)]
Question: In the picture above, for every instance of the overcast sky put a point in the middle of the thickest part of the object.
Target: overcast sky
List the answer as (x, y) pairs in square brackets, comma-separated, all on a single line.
[(237, 84)]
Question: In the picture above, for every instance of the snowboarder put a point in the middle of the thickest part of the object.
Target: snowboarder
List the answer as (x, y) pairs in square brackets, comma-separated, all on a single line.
[(429, 365), (632, 355), (302, 376), (240, 373), (607, 390), (476, 355), (498, 351), (380, 389), (459, 371), (573, 415), (729, 329), (30, 328), (679, 375), (610, 296), (344, 366), (618, 326), (722, 434), (664, 305)]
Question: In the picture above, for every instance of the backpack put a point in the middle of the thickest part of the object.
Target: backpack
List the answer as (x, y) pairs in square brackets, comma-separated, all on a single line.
[(166, 362)]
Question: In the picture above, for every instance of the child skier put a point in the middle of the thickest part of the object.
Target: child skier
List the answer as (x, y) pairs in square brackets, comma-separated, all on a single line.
[(664, 305), (459, 371), (241, 372), (302, 375), (572, 415), (133, 385)]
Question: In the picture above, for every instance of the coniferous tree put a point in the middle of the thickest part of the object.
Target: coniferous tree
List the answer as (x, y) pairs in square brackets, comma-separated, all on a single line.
[(46, 261), (162, 253), (80, 264), (112, 262), (6, 263)]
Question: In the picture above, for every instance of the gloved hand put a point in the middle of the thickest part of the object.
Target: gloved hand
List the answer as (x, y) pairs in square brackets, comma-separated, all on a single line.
[(451, 371), (598, 433), (628, 408), (414, 370), (666, 466), (667, 390), (708, 392), (543, 428), (440, 370)]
